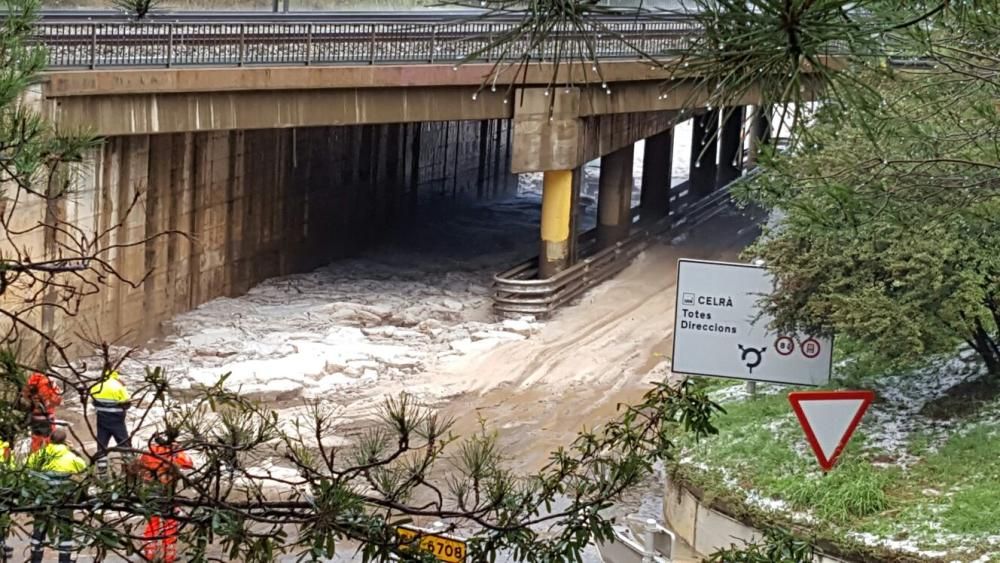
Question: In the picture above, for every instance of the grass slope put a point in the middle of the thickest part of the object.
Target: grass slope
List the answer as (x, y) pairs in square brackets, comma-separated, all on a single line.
[(925, 486)]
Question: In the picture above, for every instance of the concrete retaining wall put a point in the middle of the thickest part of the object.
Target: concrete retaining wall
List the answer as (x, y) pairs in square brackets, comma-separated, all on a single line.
[(254, 204), (470, 159), (706, 528)]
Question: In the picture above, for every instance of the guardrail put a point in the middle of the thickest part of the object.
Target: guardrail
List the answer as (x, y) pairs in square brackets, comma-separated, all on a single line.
[(518, 291), (168, 44), (424, 14)]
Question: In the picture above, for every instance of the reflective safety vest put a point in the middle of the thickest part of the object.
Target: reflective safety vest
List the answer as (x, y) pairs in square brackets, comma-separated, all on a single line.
[(110, 395), (56, 462), (43, 396), (6, 454), (160, 459)]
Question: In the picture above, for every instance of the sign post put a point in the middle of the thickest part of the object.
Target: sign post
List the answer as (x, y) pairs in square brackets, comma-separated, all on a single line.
[(829, 419), (719, 330)]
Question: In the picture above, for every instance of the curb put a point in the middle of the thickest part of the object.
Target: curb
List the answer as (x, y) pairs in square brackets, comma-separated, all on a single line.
[(708, 529)]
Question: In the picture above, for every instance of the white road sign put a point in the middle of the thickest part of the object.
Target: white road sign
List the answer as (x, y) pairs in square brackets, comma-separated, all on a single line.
[(829, 419), (717, 330)]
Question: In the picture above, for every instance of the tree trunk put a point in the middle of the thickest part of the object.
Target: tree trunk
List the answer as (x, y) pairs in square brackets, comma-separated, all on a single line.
[(986, 346)]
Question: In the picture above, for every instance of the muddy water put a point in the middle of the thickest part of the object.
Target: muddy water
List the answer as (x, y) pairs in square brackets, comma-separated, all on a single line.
[(593, 354), (576, 369)]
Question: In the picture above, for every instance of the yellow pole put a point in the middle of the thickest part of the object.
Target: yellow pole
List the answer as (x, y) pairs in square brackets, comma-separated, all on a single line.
[(557, 198)]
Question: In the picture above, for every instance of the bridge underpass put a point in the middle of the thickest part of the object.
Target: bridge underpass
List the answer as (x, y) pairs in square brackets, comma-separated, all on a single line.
[(252, 111), (175, 139), (263, 203), (256, 204)]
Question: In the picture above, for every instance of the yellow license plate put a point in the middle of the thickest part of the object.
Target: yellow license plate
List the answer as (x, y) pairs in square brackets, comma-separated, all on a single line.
[(442, 548)]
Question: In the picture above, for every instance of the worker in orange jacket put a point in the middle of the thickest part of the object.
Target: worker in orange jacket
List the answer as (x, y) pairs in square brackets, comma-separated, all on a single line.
[(163, 464), (43, 397)]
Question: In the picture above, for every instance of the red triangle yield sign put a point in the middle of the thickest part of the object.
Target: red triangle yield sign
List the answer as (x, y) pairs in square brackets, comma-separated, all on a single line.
[(829, 419)]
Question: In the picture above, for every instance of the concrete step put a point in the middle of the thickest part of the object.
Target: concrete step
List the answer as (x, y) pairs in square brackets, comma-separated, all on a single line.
[(643, 540)]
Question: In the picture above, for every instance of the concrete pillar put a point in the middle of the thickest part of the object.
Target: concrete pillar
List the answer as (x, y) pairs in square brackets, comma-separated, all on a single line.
[(415, 166), (557, 206), (575, 215), (704, 148), (762, 124), (459, 149), (614, 197), (508, 153), (395, 175), (444, 159), (484, 147), (760, 132), (499, 157), (654, 201), (730, 147)]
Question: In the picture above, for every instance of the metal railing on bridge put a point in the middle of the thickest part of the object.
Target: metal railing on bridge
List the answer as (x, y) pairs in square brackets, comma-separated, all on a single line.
[(82, 45)]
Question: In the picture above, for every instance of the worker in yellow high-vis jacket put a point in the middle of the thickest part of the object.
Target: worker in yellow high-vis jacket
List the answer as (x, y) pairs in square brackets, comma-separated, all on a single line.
[(56, 464), (111, 401), (6, 463)]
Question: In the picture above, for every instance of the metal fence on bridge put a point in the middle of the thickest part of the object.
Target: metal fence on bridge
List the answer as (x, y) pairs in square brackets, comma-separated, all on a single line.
[(161, 44)]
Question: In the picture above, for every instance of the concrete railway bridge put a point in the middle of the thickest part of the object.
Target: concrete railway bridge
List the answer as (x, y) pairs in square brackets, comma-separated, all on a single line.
[(281, 144)]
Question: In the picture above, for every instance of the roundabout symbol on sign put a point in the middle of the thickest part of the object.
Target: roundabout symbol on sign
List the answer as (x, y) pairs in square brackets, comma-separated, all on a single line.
[(784, 345), (758, 356), (810, 348)]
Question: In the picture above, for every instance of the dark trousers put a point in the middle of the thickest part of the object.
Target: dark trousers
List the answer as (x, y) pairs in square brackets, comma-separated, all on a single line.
[(7, 551), (43, 527), (110, 425), (41, 428)]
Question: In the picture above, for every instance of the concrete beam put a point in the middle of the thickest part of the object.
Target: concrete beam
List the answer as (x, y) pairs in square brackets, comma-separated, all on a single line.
[(635, 96), (136, 102), (608, 133), (548, 132), (112, 82), (118, 81), (180, 113)]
